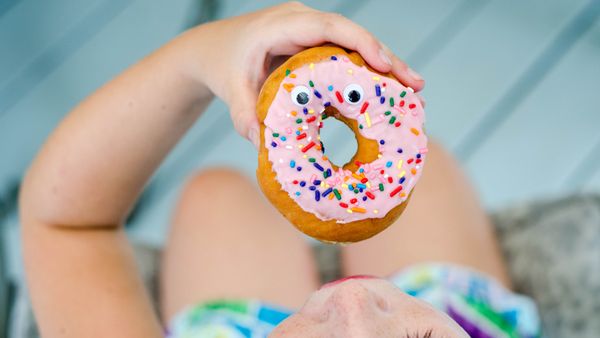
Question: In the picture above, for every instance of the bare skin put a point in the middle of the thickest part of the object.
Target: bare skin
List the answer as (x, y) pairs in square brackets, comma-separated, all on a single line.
[(225, 232), (86, 178), (458, 232), (443, 222), (80, 188)]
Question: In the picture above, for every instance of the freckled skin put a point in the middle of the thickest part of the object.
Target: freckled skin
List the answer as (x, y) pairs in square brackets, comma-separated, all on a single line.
[(366, 308)]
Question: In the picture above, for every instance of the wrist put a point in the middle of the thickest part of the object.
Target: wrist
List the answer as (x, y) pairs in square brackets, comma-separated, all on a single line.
[(181, 54)]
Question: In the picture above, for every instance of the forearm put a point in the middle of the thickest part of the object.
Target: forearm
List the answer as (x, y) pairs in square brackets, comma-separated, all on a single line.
[(80, 269), (97, 161), (83, 282)]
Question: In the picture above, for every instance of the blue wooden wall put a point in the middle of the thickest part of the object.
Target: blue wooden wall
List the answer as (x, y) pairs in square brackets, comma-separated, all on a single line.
[(513, 87)]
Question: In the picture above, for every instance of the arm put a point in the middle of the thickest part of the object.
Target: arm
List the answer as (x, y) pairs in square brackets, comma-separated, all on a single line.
[(78, 191), (85, 179)]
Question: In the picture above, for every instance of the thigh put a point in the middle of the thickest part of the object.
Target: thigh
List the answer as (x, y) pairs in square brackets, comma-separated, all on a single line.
[(443, 222), (226, 241)]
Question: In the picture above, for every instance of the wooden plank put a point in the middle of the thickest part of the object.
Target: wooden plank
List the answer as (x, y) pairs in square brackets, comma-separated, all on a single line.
[(485, 59), (31, 27), (548, 135), (139, 29), (593, 185), (586, 176), (508, 100), (39, 66), (404, 25), (6, 6), (190, 151), (11, 239), (232, 151), (230, 8), (581, 177)]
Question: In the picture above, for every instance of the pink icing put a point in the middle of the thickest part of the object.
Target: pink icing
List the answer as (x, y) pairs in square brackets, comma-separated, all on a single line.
[(393, 117)]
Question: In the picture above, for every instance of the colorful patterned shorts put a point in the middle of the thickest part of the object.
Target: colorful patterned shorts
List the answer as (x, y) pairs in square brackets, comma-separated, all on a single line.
[(482, 306)]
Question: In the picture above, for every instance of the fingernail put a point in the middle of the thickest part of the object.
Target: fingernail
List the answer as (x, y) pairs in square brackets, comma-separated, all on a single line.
[(253, 136), (385, 57), (414, 74)]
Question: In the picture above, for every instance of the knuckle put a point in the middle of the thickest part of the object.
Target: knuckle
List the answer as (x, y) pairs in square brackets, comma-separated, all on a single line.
[(333, 17), (240, 127), (296, 5), (330, 21), (208, 179), (367, 37)]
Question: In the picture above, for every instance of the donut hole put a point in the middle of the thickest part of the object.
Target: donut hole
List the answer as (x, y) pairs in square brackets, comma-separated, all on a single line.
[(346, 148), (339, 141)]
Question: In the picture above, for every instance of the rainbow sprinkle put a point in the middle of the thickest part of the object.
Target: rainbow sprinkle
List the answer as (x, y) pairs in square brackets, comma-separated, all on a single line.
[(355, 191)]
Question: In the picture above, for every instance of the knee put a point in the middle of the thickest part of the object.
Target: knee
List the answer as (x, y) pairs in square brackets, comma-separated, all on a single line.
[(436, 148), (214, 183), (439, 156)]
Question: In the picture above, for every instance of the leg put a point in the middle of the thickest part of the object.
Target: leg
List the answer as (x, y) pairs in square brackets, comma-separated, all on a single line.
[(226, 241), (443, 222)]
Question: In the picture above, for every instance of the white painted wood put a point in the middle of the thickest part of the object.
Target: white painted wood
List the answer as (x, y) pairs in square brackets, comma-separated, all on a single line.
[(139, 29), (235, 7), (401, 24), (485, 59), (548, 135), (464, 78), (30, 27), (143, 26), (593, 185)]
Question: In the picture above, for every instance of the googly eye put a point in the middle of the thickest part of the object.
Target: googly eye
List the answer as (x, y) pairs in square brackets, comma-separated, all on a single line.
[(353, 93), (301, 95)]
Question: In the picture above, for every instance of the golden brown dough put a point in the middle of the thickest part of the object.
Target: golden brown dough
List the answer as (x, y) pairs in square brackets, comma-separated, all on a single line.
[(308, 223)]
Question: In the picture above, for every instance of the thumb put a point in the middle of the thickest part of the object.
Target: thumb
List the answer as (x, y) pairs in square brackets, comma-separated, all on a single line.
[(243, 114)]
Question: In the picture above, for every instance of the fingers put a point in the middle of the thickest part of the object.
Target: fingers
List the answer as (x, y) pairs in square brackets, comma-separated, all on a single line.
[(406, 75), (423, 102), (243, 114), (287, 29), (345, 33), (317, 28), (312, 28)]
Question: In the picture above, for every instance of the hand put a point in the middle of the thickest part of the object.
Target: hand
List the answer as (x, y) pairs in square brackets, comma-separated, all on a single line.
[(233, 57)]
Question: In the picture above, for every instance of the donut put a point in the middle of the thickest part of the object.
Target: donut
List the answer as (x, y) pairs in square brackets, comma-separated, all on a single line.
[(364, 196)]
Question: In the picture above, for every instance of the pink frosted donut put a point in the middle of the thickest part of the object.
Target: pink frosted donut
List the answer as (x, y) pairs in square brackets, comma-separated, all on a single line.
[(363, 197)]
